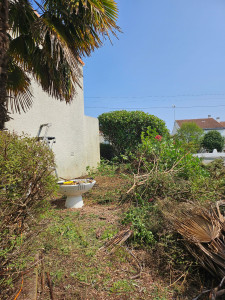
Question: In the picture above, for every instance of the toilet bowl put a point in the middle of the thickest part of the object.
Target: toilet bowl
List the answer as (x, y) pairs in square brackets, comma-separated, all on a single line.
[(74, 189)]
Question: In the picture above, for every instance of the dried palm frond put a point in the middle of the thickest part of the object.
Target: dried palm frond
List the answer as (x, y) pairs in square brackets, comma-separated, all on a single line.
[(203, 232), (118, 239), (198, 226)]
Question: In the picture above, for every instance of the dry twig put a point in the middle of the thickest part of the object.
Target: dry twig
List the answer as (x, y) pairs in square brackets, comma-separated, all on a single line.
[(50, 286)]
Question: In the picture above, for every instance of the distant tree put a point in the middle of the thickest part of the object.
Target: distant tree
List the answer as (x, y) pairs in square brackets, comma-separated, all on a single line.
[(213, 140), (123, 128), (190, 134)]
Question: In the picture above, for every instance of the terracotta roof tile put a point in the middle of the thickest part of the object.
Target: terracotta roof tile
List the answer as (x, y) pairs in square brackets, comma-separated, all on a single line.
[(208, 123), (222, 123)]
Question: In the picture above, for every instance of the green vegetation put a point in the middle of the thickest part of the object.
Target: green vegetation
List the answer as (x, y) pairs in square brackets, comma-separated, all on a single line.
[(139, 217), (123, 129), (26, 183), (190, 135), (122, 286), (149, 193), (213, 140), (167, 181)]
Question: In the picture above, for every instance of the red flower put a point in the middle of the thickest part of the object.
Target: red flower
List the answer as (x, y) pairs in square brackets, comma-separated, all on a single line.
[(158, 137), (150, 200)]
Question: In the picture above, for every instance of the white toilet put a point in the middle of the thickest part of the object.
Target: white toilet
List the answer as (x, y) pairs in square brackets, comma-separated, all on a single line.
[(74, 189)]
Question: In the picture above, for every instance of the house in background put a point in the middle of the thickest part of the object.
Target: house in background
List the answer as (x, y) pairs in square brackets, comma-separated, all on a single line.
[(77, 135), (207, 124)]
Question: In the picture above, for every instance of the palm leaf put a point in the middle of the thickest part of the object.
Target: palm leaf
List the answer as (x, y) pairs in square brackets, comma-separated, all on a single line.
[(203, 233), (19, 89), (48, 46), (21, 16), (198, 226)]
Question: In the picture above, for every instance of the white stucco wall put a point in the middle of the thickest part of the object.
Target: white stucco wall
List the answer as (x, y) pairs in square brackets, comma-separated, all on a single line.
[(92, 144), (76, 144), (221, 131), (175, 128)]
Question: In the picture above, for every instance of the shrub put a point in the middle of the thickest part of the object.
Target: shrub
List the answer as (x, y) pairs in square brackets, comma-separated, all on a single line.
[(166, 155), (26, 181), (167, 179), (123, 128), (213, 140)]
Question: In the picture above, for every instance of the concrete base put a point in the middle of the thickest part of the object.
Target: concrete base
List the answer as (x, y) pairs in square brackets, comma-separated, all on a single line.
[(74, 202), (209, 157)]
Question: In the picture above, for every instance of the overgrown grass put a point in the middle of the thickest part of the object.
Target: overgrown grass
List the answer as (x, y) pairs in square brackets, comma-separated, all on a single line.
[(70, 240)]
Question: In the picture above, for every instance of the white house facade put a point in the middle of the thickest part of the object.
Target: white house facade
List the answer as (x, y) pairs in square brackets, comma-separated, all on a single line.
[(77, 135), (207, 124)]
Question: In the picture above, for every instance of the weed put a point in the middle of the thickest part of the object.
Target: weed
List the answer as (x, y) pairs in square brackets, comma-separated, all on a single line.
[(57, 275), (159, 293), (67, 287), (63, 235), (105, 168), (109, 233), (139, 218), (87, 274), (121, 255), (122, 286)]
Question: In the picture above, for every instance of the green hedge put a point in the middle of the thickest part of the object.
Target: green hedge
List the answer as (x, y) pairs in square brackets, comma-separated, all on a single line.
[(123, 128)]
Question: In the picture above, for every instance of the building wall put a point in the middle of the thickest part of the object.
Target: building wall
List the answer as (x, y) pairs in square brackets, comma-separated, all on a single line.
[(76, 144), (175, 128), (221, 131), (92, 144)]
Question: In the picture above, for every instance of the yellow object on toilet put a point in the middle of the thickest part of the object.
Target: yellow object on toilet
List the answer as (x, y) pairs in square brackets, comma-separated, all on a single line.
[(68, 182)]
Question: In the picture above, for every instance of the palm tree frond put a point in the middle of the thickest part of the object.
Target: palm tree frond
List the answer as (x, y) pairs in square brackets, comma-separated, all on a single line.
[(48, 45), (19, 89), (87, 22), (198, 227), (203, 232), (21, 16)]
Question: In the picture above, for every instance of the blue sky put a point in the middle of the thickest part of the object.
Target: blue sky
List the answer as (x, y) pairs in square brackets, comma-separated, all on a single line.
[(171, 52)]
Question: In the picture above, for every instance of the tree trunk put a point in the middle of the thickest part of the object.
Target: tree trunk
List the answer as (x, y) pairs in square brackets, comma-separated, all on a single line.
[(4, 44)]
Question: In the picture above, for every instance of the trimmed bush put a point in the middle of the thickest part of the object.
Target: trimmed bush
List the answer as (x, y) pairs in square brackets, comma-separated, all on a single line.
[(123, 128), (213, 140), (26, 181)]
